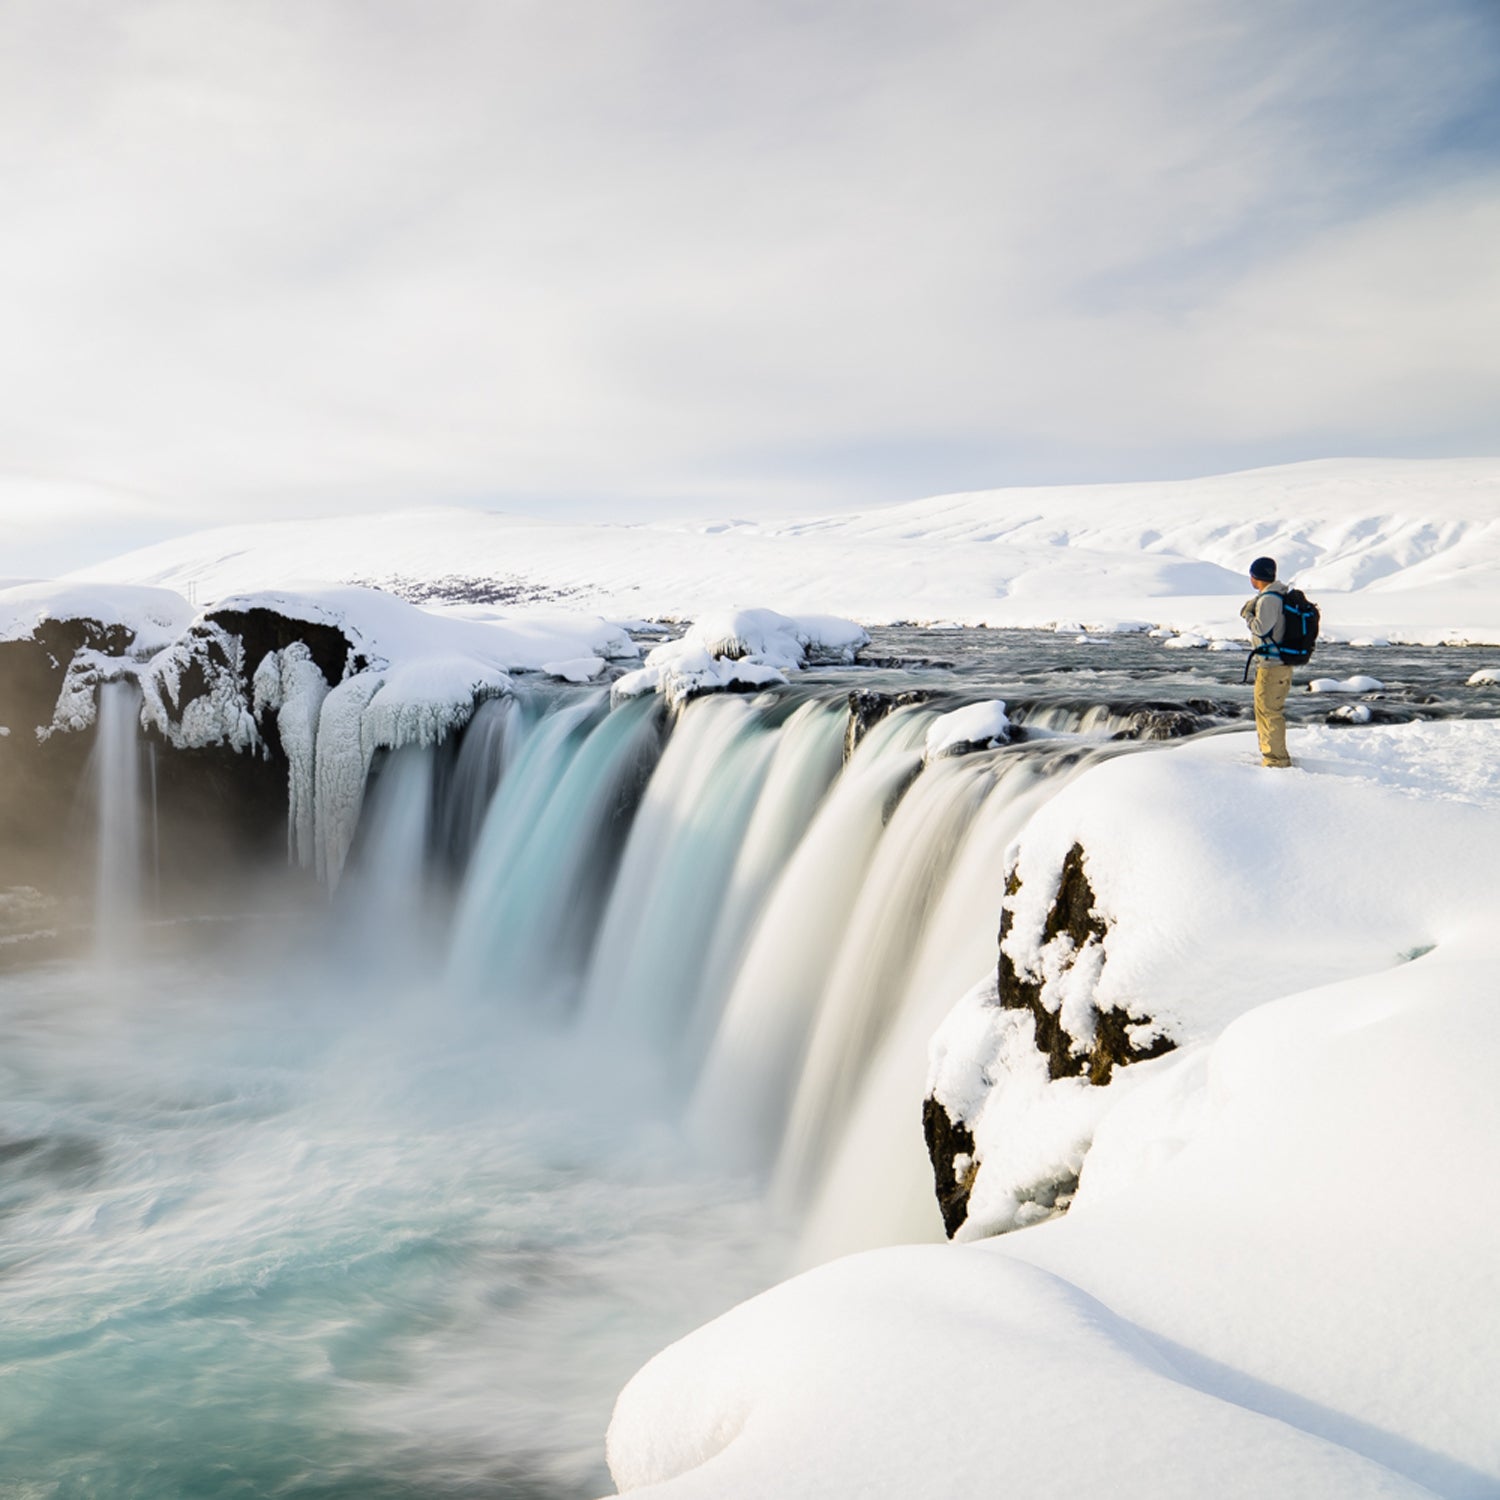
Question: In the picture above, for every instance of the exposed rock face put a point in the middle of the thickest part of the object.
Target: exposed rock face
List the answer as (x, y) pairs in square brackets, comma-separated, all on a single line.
[(950, 1146), (1050, 980), (1074, 934), (867, 709), (213, 807)]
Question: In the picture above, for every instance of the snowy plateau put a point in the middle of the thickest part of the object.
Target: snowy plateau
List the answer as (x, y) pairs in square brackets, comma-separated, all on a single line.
[(1249, 1248)]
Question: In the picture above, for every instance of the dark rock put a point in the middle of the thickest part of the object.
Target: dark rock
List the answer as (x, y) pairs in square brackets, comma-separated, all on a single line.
[(1162, 721), (1072, 917), (867, 709), (948, 1140), (262, 631), (210, 810)]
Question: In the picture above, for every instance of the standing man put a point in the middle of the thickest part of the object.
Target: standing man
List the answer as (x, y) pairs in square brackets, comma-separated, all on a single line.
[(1273, 677)]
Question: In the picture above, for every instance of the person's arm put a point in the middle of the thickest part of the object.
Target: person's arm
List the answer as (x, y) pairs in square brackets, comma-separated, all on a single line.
[(1264, 620)]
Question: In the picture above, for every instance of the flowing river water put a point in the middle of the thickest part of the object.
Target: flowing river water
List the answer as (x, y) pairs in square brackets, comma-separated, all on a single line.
[(607, 1028)]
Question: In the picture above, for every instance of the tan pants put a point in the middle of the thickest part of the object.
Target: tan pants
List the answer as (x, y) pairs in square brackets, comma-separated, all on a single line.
[(1272, 683)]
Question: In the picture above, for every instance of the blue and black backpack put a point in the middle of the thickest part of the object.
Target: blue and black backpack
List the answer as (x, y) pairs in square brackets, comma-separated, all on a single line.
[(1301, 619)]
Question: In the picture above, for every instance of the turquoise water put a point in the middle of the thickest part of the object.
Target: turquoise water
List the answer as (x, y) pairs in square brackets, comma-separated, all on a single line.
[(311, 1232)]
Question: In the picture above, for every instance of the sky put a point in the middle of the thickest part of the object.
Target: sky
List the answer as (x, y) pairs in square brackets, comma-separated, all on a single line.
[(624, 258)]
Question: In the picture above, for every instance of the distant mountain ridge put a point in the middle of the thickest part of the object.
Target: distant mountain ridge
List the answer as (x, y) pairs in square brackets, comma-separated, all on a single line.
[(1414, 545)]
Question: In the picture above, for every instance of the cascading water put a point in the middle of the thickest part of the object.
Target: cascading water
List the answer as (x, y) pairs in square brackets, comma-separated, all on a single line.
[(546, 855), (118, 904), (610, 1004)]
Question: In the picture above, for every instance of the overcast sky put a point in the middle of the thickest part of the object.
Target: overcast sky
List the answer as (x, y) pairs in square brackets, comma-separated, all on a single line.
[(630, 257)]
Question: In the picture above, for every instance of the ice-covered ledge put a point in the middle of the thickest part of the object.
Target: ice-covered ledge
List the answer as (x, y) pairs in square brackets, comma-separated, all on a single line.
[(1281, 1271), (300, 685)]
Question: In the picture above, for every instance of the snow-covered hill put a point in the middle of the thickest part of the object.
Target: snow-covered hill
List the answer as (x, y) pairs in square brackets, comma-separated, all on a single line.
[(1401, 549)]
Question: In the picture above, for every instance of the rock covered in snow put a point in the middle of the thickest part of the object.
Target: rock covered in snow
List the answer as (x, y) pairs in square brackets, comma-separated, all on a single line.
[(59, 642), (976, 726), (1153, 901), (1013, 1041), (115, 618), (742, 651), (1486, 677), (318, 678)]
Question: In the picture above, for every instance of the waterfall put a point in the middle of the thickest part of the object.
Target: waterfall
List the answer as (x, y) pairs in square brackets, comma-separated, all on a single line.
[(648, 965), (546, 855), (763, 936), (872, 1182), (385, 890), (489, 748), (118, 906)]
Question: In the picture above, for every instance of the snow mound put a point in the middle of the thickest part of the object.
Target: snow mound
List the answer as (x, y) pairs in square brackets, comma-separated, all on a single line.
[(975, 727), (1357, 684), (1486, 677), (742, 651)]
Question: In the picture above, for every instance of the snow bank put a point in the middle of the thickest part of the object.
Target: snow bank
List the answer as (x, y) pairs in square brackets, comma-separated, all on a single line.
[(929, 1372), (1280, 1274), (741, 651), (387, 631)]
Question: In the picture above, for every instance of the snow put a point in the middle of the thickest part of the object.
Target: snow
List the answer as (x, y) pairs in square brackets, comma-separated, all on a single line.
[(741, 650), (973, 727), (1485, 677), (155, 616), (581, 669), (1357, 684), (1401, 550), (386, 630), (1280, 1274)]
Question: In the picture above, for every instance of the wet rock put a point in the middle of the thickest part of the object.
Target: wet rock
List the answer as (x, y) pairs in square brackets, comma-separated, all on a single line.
[(867, 709), (1165, 721)]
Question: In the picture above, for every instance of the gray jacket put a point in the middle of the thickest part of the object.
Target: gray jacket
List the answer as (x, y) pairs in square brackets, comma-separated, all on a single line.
[(1265, 617)]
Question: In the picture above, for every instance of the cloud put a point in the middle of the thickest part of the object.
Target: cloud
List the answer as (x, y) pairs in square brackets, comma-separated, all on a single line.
[(640, 253)]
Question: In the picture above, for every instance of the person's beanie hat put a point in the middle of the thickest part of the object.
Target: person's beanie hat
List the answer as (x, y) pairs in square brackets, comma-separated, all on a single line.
[(1263, 569)]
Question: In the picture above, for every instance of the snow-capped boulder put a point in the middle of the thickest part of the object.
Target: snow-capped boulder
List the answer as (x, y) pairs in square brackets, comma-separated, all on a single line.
[(976, 726), (1040, 1023), (742, 651)]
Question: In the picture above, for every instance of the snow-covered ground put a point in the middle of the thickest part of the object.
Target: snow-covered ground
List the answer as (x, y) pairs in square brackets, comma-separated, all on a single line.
[(1281, 1272), (1393, 549)]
